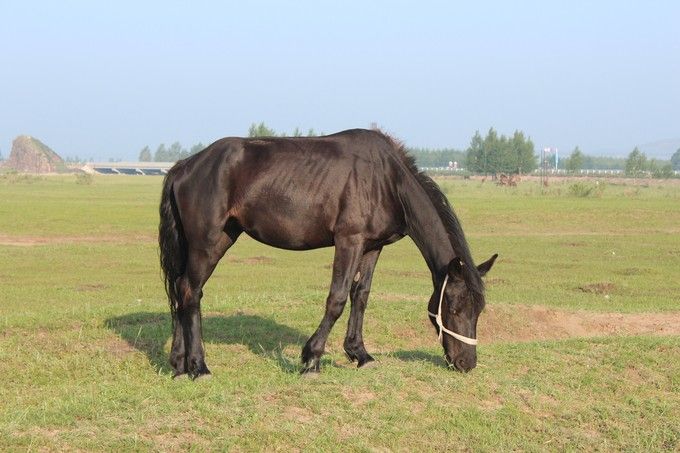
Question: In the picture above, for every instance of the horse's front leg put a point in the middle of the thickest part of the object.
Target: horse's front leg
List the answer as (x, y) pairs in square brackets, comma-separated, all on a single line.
[(361, 287), (348, 252)]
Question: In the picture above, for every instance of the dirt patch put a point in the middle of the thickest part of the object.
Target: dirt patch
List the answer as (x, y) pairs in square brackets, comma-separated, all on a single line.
[(358, 397), (598, 288), (530, 323), (298, 414), (30, 241), (251, 260), (121, 348)]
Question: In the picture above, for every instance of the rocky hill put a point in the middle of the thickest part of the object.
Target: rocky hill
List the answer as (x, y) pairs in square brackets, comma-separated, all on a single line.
[(30, 155)]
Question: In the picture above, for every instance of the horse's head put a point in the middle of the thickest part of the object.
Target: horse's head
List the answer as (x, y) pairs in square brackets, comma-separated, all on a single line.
[(454, 309)]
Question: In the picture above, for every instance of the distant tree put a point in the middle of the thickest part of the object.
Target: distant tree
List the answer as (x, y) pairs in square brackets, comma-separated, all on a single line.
[(430, 158), (575, 161), (145, 154), (161, 154), (73, 159), (493, 154), (604, 163), (175, 152), (636, 164), (476, 155), (261, 130), (196, 148), (664, 171), (675, 160), (1, 156), (492, 147), (521, 155)]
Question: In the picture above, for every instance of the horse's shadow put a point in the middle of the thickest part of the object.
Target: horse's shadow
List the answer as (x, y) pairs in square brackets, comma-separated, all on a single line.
[(419, 356), (149, 332)]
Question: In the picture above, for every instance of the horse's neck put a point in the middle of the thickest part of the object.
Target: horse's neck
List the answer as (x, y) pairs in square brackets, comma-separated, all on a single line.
[(425, 227)]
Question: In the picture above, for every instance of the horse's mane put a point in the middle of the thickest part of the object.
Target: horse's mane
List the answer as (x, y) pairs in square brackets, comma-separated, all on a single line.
[(446, 214)]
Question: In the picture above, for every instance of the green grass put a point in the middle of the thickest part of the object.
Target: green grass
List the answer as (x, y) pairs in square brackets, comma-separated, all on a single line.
[(84, 331)]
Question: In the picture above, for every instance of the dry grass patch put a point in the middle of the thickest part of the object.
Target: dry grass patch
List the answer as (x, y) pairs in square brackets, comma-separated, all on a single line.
[(598, 288)]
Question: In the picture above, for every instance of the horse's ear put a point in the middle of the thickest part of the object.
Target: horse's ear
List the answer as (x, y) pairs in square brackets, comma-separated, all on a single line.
[(456, 267), (486, 265)]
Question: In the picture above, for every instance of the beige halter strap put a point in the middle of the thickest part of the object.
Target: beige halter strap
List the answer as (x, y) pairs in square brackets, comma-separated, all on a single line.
[(440, 323)]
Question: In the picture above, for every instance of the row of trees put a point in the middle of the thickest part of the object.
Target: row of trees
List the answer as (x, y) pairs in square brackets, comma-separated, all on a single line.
[(635, 165), (176, 151), (488, 155), (261, 130), (638, 166), (577, 161), (168, 154), (493, 154)]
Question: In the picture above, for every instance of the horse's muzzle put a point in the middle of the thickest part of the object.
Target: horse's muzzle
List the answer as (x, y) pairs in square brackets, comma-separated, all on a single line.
[(461, 363)]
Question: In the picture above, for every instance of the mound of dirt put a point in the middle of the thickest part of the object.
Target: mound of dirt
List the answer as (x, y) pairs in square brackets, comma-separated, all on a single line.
[(30, 155)]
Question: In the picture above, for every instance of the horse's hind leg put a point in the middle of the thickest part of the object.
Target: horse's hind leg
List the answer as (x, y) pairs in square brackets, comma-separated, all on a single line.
[(348, 252), (201, 262), (354, 340)]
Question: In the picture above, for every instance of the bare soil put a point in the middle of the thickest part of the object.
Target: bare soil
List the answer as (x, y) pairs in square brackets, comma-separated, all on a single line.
[(30, 241), (512, 323)]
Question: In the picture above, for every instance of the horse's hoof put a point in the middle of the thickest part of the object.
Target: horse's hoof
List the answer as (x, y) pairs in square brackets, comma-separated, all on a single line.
[(351, 357), (311, 369), (203, 377), (370, 363), (180, 377), (310, 373)]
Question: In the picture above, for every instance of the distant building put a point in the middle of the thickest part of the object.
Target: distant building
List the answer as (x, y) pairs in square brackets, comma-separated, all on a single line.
[(128, 168)]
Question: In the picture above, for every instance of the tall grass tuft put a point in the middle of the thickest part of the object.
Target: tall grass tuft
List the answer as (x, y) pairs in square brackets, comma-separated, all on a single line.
[(85, 179), (584, 190)]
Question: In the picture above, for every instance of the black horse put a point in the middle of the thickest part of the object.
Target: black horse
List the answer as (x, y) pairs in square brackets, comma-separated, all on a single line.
[(357, 190)]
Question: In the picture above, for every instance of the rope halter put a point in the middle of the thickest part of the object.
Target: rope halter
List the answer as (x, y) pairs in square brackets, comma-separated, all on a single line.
[(438, 319)]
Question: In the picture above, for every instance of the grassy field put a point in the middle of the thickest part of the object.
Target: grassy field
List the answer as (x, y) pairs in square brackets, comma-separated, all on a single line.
[(84, 330)]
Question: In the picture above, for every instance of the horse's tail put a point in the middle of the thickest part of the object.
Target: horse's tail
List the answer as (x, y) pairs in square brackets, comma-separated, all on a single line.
[(172, 243)]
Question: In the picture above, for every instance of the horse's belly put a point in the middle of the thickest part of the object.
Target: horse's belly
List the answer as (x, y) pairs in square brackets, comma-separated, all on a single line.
[(292, 229), (288, 241)]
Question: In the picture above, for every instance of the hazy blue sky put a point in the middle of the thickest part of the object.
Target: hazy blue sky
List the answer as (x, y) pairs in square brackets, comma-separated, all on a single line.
[(103, 79)]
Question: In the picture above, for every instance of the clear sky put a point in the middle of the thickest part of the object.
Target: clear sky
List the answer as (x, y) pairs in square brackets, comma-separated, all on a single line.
[(103, 79)]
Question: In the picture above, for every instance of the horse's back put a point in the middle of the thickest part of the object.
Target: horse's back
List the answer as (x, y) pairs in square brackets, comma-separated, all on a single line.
[(295, 193)]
